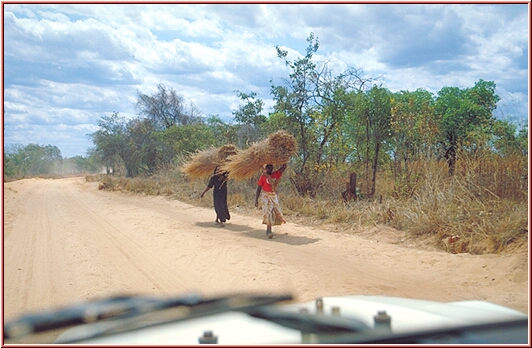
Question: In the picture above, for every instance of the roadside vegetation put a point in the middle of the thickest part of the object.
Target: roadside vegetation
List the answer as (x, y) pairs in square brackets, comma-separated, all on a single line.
[(481, 203), (438, 167)]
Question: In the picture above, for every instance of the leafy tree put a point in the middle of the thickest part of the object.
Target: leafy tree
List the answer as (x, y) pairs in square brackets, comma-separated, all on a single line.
[(222, 133), (414, 131), (13, 161), (187, 139), (522, 140), (353, 132), (249, 118), (140, 153), (294, 99), (132, 144), (313, 103), (377, 117), (110, 140), (251, 111), (331, 95), (461, 112)]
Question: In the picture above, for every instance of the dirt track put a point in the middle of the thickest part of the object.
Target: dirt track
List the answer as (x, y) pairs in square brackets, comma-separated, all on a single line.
[(66, 241)]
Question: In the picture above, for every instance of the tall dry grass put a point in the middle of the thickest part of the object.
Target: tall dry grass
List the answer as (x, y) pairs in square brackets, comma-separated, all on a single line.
[(483, 207)]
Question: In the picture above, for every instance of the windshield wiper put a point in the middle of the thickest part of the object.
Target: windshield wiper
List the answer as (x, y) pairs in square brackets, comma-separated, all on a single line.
[(501, 332), (125, 310), (309, 322), (90, 311)]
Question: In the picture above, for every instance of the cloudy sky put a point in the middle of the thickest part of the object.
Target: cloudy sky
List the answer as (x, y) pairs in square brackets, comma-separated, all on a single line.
[(67, 65)]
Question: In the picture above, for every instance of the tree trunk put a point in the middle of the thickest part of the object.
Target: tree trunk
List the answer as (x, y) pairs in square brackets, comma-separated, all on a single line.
[(366, 174), (450, 154), (351, 189), (374, 169)]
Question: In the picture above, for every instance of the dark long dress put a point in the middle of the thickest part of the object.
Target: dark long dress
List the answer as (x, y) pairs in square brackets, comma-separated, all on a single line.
[(219, 193)]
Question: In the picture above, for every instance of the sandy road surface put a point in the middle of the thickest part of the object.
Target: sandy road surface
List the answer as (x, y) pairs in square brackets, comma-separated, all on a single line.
[(66, 241)]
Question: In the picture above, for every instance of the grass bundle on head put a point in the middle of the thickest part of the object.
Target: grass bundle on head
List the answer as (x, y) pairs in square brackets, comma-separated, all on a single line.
[(280, 146), (226, 151), (276, 149), (203, 163)]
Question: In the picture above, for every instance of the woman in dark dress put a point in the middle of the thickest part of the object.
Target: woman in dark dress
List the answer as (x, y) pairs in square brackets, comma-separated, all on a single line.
[(218, 182)]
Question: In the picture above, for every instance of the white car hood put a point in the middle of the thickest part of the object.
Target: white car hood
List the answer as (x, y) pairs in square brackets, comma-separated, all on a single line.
[(238, 328)]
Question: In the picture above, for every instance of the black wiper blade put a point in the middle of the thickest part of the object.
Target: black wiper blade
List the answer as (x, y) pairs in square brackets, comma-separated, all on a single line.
[(502, 332), (91, 311), (125, 313), (171, 314), (309, 323)]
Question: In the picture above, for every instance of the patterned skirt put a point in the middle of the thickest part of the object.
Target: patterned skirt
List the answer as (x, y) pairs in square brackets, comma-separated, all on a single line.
[(271, 210)]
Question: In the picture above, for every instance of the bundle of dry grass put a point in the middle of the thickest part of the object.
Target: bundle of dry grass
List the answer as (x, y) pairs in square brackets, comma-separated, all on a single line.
[(276, 149), (203, 163), (225, 151)]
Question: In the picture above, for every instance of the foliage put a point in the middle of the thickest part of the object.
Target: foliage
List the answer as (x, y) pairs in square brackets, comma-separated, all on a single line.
[(251, 111), (35, 160), (414, 131), (32, 159), (249, 118), (188, 139), (376, 116), (110, 140), (506, 140), (314, 104), (464, 115)]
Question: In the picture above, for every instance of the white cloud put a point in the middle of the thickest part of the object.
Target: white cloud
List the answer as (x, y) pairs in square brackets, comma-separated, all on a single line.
[(69, 64)]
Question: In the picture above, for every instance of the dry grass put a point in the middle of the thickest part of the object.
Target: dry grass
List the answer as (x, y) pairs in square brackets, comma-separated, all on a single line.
[(479, 205), (447, 208), (203, 163), (276, 149), (495, 177)]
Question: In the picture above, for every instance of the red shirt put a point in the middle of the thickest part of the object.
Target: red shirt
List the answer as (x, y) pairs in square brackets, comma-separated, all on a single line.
[(264, 181)]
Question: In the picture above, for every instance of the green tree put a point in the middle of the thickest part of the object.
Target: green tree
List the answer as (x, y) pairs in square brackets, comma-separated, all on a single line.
[(314, 103), (377, 117), (414, 132), (110, 141), (184, 140), (140, 152), (461, 113), (251, 111), (249, 118), (332, 96), (353, 133), (222, 132), (295, 97), (13, 161)]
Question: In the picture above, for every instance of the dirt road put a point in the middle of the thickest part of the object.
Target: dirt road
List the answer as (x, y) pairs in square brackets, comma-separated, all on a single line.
[(66, 241)]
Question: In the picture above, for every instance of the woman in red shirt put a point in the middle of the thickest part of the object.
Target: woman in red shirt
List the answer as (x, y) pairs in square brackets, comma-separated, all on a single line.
[(271, 209)]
